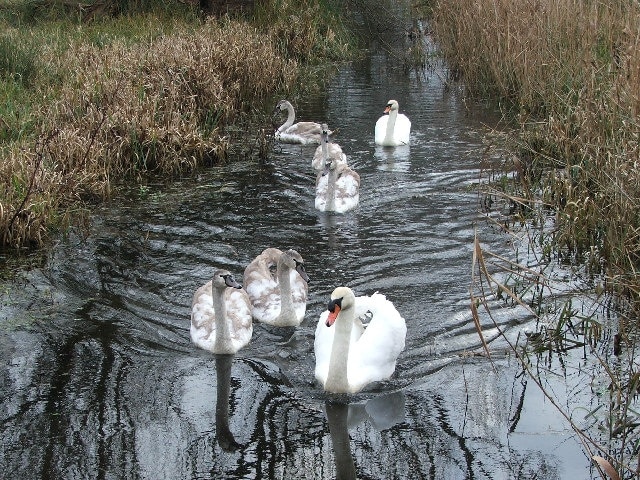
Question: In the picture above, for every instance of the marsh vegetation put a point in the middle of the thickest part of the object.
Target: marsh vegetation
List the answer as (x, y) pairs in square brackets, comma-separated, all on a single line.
[(158, 91), (567, 74)]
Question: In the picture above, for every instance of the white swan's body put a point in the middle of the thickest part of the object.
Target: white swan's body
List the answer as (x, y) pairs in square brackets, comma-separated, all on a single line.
[(394, 129), (326, 151), (337, 190), (277, 286), (350, 356), (221, 315), (306, 133)]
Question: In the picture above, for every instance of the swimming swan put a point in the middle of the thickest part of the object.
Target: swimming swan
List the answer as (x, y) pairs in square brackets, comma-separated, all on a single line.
[(221, 315), (337, 188), (277, 286), (306, 133), (325, 151), (393, 129), (349, 355)]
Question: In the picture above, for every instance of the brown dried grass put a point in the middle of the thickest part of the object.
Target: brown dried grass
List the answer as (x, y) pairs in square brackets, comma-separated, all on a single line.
[(571, 71), (124, 110)]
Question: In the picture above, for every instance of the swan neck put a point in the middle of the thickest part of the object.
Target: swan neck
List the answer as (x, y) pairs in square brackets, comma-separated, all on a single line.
[(286, 297), (325, 150), (337, 379), (331, 189), (291, 116), (391, 124), (223, 335)]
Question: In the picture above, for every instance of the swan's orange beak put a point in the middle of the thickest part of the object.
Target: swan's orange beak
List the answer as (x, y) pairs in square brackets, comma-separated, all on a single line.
[(333, 314), (387, 109)]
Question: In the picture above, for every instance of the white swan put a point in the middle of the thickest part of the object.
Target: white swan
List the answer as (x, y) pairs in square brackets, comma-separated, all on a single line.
[(337, 188), (325, 151), (393, 129), (277, 286), (306, 133), (221, 315), (349, 355)]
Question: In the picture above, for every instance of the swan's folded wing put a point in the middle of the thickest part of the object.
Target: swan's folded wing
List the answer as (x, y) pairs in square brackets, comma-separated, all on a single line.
[(347, 190), (381, 128), (263, 290), (264, 294), (239, 315), (306, 133), (375, 354), (203, 327), (202, 307), (402, 129)]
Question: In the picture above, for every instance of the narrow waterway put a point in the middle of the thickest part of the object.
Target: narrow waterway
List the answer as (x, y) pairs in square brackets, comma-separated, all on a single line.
[(100, 379)]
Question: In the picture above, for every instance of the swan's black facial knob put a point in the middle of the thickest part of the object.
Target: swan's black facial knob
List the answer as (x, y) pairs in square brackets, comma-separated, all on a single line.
[(333, 303), (334, 307)]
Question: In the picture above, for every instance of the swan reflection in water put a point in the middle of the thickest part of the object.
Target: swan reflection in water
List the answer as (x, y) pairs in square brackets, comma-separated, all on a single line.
[(224, 436), (381, 412), (393, 159)]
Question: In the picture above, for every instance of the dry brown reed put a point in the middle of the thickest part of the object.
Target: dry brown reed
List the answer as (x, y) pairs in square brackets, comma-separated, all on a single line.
[(122, 110), (571, 70)]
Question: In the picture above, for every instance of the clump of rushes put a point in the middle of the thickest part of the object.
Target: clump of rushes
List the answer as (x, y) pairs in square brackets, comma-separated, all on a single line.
[(571, 71), (108, 106)]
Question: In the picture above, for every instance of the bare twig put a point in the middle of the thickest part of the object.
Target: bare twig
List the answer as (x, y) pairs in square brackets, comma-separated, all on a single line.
[(36, 167)]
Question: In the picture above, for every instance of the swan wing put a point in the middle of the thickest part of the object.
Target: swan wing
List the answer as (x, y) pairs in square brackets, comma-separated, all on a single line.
[(299, 290), (203, 323), (261, 285), (347, 190), (302, 132), (381, 129), (203, 317), (373, 357), (239, 316), (322, 347), (402, 129)]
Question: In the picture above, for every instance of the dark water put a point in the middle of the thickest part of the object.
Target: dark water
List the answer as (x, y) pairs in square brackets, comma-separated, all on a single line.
[(100, 380)]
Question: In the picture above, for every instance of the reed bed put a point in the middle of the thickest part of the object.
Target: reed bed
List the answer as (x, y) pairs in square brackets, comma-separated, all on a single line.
[(93, 109), (569, 72)]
